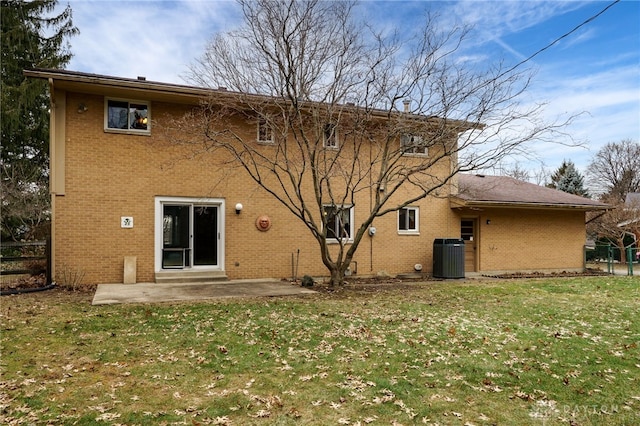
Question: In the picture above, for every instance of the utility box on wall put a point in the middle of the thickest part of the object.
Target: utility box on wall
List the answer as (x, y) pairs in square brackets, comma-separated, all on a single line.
[(448, 258)]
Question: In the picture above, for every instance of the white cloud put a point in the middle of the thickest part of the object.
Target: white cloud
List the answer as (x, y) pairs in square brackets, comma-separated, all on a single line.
[(154, 39)]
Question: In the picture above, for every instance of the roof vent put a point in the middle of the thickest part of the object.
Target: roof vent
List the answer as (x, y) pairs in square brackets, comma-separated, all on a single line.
[(222, 88), (141, 78)]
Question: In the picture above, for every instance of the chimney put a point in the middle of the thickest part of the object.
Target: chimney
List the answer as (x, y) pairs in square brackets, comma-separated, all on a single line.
[(406, 103)]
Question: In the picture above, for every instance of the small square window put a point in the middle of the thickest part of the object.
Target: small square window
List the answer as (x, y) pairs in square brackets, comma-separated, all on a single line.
[(265, 132), (127, 116), (408, 220), (339, 222), (413, 144), (330, 136)]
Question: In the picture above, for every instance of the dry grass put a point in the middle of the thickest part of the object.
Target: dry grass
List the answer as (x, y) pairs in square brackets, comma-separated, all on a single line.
[(545, 351)]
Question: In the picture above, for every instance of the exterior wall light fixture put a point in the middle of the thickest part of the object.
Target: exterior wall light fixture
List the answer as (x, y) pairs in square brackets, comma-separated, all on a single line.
[(238, 208)]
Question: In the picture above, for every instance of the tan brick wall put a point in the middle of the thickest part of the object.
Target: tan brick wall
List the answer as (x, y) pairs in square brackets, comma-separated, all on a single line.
[(530, 240), (112, 175)]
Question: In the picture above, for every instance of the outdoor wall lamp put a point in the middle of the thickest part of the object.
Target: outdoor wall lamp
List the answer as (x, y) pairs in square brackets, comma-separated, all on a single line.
[(488, 221), (82, 108), (238, 208)]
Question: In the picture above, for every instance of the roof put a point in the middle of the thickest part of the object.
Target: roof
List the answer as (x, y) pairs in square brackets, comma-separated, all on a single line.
[(141, 88), (504, 191), (138, 87)]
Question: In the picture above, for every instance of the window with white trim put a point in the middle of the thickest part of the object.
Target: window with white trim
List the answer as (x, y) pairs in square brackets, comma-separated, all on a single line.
[(339, 220), (413, 145), (127, 116), (265, 132), (330, 136), (409, 220)]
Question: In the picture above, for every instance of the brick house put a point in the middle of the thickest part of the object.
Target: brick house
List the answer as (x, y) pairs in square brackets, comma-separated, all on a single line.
[(119, 192), (519, 226)]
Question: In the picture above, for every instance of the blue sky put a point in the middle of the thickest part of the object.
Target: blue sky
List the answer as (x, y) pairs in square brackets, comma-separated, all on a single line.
[(594, 71)]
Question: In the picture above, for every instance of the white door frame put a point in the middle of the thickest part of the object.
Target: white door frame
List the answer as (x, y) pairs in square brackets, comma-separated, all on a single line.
[(159, 221)]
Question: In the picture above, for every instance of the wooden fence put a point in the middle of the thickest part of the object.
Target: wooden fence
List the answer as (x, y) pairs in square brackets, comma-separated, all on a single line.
[(19, 258)]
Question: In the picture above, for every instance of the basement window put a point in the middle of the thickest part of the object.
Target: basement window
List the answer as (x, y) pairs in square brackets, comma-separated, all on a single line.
[(127, 116)]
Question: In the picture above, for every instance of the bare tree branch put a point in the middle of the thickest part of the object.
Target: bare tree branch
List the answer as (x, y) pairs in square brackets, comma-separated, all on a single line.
[(333, 91)]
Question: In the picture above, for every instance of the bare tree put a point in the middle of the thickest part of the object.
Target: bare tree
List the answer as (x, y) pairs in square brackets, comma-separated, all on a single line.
[(615, 169), (622, 221), (24, 200), (343, 110), (517, 172)]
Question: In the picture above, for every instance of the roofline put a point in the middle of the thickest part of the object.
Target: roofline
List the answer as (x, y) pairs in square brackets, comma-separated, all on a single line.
[(457, 202), (140, 83), (192, 93)]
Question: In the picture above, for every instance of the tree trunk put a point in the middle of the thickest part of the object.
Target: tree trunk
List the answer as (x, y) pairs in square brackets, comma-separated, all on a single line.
[(337, 279), (623, 251), (337, 274)]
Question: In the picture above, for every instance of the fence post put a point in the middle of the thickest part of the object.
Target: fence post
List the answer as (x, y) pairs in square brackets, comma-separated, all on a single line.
[(629, 261), (609, 259)]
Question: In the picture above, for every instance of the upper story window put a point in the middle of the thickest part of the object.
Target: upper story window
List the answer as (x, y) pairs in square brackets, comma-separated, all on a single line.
[(330, 136), (339, 220), (408, 220), (127, 116), (265, 132), (413, 144)]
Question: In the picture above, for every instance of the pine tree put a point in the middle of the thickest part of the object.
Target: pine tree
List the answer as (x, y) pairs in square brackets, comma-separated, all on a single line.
[(31, 38), (567, 178), (555, 177)]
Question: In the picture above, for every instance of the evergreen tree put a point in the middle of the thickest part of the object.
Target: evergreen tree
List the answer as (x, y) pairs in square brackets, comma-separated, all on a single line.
[(555, 177), (567, 178), (31, 38)]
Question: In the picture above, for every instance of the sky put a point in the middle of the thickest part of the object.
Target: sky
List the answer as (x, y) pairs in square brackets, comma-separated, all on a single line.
[(593, 73)]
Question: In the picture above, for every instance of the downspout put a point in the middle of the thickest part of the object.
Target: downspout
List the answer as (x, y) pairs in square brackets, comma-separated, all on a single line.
[(597, 217), (52, 193), (370, 207)]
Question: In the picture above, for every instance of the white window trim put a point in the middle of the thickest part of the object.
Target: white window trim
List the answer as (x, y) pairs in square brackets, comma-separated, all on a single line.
[(108, 129), (336, 144), (415, 231), (351, 227), (413, 146), (264, 141)]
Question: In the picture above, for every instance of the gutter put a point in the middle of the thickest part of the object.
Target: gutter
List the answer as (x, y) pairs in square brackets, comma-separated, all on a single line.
[(460, 203)]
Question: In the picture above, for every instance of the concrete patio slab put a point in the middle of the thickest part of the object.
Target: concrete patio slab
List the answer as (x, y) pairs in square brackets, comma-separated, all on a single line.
[(109, 294)]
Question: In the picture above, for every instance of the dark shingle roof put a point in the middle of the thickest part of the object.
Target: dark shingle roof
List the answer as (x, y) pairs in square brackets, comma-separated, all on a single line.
[(504, 191)]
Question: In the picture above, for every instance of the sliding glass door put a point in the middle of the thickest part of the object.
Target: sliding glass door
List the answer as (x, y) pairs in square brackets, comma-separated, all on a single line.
[(205, 233), (191, 235)]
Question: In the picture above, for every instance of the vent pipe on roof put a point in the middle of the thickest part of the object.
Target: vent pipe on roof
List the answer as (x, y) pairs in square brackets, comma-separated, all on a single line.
[(406, 103), (141, 78)]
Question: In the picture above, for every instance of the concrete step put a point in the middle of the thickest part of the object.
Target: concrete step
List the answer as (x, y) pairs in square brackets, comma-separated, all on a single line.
[(186, 276)]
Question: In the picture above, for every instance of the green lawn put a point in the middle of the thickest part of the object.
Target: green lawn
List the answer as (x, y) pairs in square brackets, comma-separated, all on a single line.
[(539, 352)]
